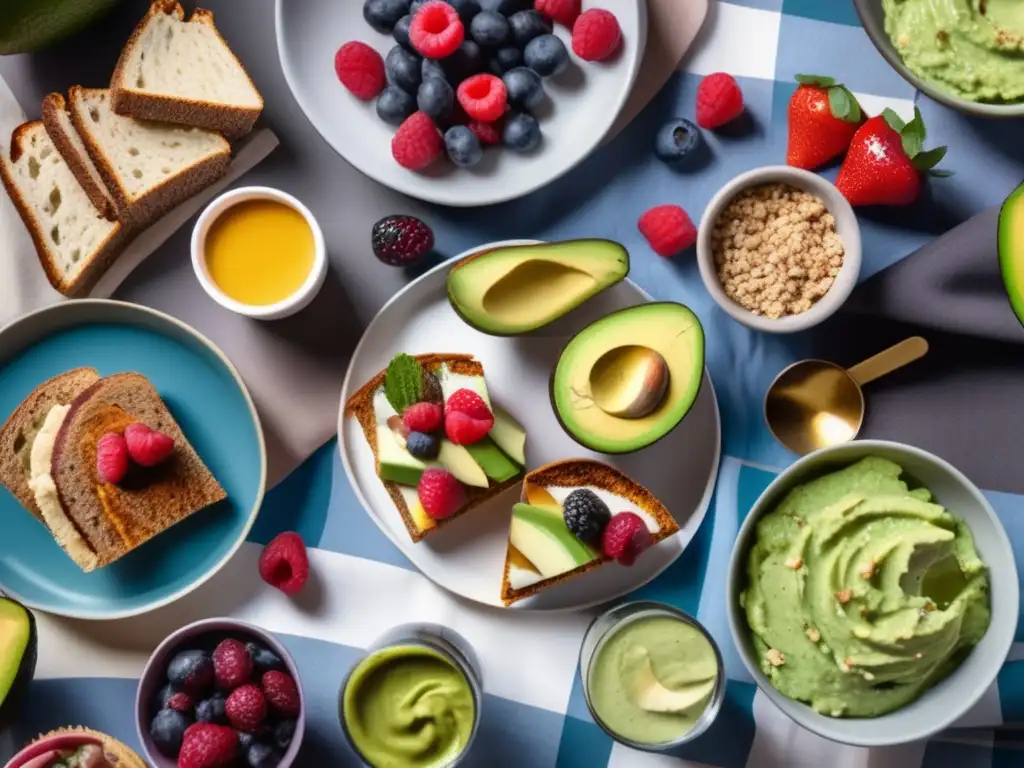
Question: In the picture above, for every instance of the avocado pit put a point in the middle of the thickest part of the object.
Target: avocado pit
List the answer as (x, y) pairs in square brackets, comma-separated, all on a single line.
[(630, 381)]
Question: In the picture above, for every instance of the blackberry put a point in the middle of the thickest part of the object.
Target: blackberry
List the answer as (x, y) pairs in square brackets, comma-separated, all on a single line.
[(401, 240), (586, 516)]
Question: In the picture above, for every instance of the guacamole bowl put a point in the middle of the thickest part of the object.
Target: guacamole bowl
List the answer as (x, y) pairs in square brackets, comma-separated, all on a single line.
[(882, 587)]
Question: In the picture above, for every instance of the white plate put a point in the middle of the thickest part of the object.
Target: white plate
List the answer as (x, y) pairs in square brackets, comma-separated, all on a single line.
[(582, 105), (468, 556)]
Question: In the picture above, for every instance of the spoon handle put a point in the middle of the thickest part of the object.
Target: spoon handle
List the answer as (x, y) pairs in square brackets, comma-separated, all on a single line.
[(888, 360)]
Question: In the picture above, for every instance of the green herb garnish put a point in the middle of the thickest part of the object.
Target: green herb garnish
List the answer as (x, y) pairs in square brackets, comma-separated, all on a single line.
[(403, 382)]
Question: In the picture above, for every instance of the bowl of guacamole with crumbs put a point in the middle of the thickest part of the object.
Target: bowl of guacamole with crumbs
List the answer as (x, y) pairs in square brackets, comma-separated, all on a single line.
[(873, 593)]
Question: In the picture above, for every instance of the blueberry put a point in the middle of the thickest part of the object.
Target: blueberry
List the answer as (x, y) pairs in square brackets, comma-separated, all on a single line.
[(416, 5), (466, 9), (467, 60), (401, 32), (263, 658), (586, 516), (283, 733), (521, 133), (245, 740), (505, 59), (394, 105), (421, 445), (436, 98), (432, 68), (167, 730), (403, 69), (546, 55), (489, 29), (382, 15), (191, 670), (676, 139), (262, 756), (211, 710), (527, 25), (163, 696), (504, 7), (524, 86)]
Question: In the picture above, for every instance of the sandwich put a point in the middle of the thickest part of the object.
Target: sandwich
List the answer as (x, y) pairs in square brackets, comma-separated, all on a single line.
[(482, 447), (76, 747), (56, 454), (575, 516)]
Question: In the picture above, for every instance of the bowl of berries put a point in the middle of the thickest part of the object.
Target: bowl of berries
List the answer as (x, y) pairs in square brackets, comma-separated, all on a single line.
[(220, 692), (462, 102)]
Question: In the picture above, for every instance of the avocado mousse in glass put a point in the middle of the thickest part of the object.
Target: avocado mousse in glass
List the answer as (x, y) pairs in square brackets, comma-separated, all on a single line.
[(862, 592)]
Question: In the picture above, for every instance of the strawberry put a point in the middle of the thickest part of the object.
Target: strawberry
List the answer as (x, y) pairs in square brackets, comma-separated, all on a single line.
[(823, 116), (885, 162)]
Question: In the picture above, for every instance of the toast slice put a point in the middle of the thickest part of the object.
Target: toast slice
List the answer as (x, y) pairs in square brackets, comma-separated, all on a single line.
[(75, 243), (148, 167), (19, 431), (58, 124), (112, 519), (542, 551), (184, 72), (371, 408)]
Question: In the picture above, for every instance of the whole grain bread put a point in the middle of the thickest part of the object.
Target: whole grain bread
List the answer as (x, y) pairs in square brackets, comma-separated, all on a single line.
[(20, 430), (116, 519)]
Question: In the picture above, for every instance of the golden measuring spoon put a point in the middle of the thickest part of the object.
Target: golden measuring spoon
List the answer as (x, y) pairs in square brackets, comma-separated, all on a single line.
[(813, 403)]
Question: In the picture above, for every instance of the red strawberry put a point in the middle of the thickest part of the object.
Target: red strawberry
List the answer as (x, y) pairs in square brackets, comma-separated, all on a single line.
[(440, 493), (246, 708), (423, 417), (112, 458), (719, 100), (232, 664), (823, 117), (625, 537), (467, 419), (208, 746), (885, 162), (282, 693), (284, 563), (146, 446)]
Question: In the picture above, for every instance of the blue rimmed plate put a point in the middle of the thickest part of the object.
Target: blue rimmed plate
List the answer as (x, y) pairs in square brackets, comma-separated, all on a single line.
[(208, 399)]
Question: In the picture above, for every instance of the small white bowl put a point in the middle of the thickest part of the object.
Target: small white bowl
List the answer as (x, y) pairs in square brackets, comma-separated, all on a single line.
[(846, 227), (284, 308)]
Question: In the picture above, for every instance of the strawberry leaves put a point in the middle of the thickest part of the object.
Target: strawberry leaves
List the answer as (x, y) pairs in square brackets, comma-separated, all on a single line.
[(841, 102), (819, 80), (912, 136)]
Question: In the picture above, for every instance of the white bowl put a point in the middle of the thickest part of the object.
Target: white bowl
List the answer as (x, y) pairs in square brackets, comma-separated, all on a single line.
[(284, 308), (943, 704), (846, 227)]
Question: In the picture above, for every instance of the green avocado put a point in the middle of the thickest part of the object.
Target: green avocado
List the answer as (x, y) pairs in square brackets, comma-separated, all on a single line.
[(31, 25), (615, 353), (17, 654), (1011, 249), (546, 542), (519, 288)]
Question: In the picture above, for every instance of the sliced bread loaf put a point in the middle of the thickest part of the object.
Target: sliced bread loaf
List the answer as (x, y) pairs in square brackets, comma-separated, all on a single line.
[(148, 167), (73, 240), (184, 72)]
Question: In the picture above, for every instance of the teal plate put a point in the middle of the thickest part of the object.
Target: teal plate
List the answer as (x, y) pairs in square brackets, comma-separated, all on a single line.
[(211, 404)]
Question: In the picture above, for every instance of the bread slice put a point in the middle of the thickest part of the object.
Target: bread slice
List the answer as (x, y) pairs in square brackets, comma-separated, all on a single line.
[(361, 407), (20, 430), (58, 124), (116, 519), (148, 167), (73, 240), (184, 72), (570, 475)]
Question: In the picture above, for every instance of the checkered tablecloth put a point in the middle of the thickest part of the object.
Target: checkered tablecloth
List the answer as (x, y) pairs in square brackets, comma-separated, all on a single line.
[(535, 716)]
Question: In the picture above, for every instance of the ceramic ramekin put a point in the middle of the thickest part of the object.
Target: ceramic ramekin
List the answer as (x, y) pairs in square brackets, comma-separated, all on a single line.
[(284, 308)]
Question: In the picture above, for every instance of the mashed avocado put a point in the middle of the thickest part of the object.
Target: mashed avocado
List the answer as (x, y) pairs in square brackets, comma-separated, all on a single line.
[(972, 48), (862, 593)]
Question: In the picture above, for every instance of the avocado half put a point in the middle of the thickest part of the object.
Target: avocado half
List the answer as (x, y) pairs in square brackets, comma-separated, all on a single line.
[(519, 288), (1011, 249), (18, 646), (673, 331), (31, 25)]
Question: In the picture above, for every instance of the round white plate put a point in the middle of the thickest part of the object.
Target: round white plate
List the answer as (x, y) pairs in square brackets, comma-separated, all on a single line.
[(468, 556), (582, 104)]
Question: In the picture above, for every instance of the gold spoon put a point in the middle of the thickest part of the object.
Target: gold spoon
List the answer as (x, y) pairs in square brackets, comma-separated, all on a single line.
[(813, 403)]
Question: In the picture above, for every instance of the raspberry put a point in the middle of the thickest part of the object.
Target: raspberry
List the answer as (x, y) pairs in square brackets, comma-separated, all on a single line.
[(467, 419), (232, 664), (180, 702), (360, 69), (112, 458), (719, 100), (282, 693), (469, 402), (484, 97), (423, 417), (668, 229), (284, 563), (440, 493), (208, 746), (625, 537), (146, 446), (488, 133), (596, 35), (401, 240), (417, 143), (436, 31), (246, 708), (562, 11)]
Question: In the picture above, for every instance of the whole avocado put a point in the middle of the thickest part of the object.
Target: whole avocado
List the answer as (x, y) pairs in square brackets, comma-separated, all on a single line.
[(32, 25)]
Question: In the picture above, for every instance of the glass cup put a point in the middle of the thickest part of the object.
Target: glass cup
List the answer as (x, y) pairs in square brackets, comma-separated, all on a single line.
[(450, 645), (607, 625)]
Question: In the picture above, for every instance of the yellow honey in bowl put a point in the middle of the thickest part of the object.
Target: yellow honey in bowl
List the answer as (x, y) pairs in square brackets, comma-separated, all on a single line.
[(259, 252)]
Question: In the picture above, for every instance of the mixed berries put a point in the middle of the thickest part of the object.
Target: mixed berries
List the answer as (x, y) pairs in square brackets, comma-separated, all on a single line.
[(115, 452), (621, 537), (232, 705)]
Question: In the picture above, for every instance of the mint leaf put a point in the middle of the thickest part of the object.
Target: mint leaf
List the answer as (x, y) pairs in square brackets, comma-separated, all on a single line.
[(819, 80), (403, 382), (843, 104), (894, 121), (927, 160)]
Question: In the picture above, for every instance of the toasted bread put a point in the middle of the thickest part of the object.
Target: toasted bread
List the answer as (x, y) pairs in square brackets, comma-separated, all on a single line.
[(72, 738), (584, 473)]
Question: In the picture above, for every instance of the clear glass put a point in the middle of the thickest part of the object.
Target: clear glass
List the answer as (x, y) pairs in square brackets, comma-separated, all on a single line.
[(607, 625), (452, 646)]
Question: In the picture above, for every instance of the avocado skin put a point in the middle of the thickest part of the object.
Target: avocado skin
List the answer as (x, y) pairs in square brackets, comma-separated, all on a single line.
[(1011, 249), (33, 25), (10, 707)]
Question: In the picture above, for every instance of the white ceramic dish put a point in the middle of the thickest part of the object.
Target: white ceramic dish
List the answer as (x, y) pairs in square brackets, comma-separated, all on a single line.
[(583, 104), (941, 706), (286, 307), (468, 556), (846, 227)]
